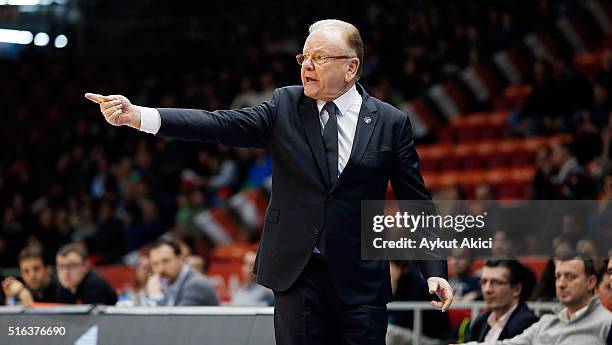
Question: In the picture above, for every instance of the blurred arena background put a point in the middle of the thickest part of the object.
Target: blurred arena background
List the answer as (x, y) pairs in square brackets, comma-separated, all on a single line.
[(500, 95)]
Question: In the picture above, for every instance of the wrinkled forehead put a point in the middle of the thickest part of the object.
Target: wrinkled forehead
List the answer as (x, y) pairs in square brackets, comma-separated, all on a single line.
[(329, 40)]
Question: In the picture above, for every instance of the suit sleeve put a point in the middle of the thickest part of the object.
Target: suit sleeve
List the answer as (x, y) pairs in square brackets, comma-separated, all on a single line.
[(246, 127), (198, 293), (408, 184)]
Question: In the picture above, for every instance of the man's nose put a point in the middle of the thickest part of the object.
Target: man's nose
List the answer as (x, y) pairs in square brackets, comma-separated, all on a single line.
[(308, 64)]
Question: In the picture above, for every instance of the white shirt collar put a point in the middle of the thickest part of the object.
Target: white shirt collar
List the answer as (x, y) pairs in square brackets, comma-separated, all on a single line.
[(343, 102), (503, 319), (563, 315)]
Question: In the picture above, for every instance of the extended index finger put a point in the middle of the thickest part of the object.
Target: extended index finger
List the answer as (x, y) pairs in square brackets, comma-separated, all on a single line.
[(97, 98)]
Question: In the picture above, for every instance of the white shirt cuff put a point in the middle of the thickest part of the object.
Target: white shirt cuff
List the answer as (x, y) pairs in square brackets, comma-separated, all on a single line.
[(150, 120)]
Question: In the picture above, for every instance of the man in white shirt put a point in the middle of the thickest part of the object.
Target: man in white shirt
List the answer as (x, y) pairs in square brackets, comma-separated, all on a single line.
[(507, 315)]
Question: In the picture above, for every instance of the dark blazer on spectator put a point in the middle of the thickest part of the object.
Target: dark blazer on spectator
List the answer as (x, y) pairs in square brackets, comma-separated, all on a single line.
[(521, 318)]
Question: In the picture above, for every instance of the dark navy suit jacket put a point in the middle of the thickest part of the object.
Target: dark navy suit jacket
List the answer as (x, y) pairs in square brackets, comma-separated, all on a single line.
[(521, 319), (303, 202)]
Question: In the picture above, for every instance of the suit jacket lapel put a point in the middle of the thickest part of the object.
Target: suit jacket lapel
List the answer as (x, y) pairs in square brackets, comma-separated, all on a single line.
[(363, 133), (310, 120), (179, 292), (485, 329)]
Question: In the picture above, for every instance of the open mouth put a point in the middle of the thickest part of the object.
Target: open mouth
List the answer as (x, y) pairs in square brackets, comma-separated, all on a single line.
[(310, 80)]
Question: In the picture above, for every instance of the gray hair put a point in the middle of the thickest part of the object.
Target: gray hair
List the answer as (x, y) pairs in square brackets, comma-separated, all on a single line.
[(351, 35)]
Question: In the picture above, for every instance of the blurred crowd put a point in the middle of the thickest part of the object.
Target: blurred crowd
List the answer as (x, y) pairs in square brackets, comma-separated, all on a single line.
[(67, 176)]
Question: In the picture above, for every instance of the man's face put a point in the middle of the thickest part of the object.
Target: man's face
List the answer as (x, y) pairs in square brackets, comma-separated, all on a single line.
[(572, 285), (497, 291), (34, 273), (166, 263), (327, 81), (604, 290), (460, 262), (248, 261), (143, 269), (559, 155), (501, 244), (71, 269)]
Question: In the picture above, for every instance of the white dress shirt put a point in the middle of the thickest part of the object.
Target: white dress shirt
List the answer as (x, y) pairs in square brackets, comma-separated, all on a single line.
[(348, 106)]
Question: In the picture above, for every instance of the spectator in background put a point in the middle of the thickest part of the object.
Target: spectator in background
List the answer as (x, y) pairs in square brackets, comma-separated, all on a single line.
[(586, 247), (572, 181), (563, 245), (507, 314), (247, 96), (604, 288), (39, 284), (173, 282), (198, 263), (260, 170), (582, 319), (541, 188), (599, 221), (251, 293), (12, 237), (502, 244), (137, 295), (598, 115), (464, 284), (107, 242), (80, 283)]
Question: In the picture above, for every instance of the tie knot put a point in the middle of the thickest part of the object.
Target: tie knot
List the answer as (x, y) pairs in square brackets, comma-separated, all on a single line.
[(331, 108)]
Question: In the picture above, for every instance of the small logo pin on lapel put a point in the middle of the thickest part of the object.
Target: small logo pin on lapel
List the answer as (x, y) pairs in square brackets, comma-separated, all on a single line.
[(367, 119)]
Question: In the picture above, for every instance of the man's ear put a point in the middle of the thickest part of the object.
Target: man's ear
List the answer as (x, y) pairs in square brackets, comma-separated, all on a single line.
[(352, 70), (592, 282), (518, 290)]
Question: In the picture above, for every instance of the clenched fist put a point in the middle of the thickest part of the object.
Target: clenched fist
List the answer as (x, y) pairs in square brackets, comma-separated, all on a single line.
[(11, 286), (117, 109)]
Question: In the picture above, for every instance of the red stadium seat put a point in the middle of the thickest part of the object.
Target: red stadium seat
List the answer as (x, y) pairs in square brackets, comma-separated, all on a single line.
[(118, 276)]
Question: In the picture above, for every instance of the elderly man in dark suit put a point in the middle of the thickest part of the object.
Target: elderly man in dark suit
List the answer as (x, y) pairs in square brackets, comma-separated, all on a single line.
[(332, 146)]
